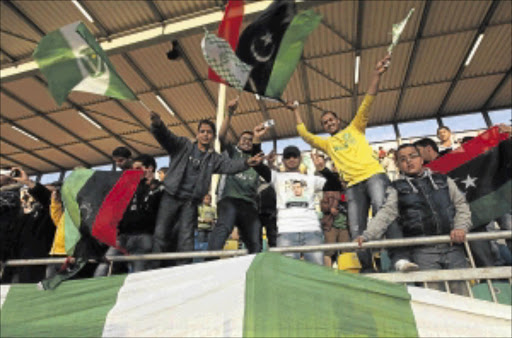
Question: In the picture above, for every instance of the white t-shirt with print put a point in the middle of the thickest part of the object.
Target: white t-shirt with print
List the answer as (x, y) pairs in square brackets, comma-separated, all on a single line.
[(295, 201)]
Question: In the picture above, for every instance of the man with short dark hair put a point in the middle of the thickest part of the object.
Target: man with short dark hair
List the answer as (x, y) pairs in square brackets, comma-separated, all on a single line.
[(186, 183), (428, 149), (237, 193), (122, 158), (444, 134), (425, 204)]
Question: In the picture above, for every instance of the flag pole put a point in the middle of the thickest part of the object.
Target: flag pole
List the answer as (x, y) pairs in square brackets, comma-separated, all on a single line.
[(144, 105), (221, 104)]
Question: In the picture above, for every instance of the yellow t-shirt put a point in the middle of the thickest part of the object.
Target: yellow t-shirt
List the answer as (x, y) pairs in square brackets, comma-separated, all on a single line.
[(59, 241), (349, 148)]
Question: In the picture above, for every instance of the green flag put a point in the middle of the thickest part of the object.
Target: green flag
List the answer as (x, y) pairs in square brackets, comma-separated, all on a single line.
[(397, 30), (71, 59)]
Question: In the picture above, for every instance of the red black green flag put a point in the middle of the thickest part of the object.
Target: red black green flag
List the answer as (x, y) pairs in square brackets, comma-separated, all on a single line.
[(482, 169)]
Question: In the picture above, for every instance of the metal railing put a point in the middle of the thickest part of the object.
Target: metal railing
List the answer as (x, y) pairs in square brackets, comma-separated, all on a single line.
[(421, 276)]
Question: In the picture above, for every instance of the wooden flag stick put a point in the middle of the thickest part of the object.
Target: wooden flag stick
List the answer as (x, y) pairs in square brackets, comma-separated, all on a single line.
[(144, 105)]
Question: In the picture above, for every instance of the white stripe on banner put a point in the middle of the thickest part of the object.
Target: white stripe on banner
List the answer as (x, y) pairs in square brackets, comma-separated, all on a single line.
[(199, 300), (98, 84), (439, 314), (4, 290)]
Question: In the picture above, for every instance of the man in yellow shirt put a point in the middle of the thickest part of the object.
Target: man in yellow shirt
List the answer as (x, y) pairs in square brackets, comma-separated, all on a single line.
[(352, 155)]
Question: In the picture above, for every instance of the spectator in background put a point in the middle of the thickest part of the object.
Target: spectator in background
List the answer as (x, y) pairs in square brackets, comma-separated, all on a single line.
[(138, 223), (161, 173), (389, 164), (382, 153), (425, 204), (446, 143), (122, 157), (297, 221), (34, 231), (59, 242), (237, 193), (206, 221), (428, 149), (186, 183)]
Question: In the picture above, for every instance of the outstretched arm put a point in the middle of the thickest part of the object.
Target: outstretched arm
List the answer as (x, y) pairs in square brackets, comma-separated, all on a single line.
[(311, 139), (223, 132), (164, 136)]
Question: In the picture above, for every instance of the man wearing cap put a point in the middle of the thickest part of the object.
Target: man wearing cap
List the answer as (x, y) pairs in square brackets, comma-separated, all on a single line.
[(237, 193), (297, 221), (352, 155)]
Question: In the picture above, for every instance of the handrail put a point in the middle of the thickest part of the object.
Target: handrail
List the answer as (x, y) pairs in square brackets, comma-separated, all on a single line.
[(350, 246)]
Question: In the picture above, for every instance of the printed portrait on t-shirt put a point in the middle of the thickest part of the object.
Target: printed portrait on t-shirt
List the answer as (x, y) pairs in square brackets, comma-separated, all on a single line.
[(296, 194)]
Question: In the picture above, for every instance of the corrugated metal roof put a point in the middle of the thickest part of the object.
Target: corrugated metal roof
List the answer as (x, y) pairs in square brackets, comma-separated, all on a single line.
[(496, 45), (453, 16), (34, 162), (469, 94), (329, 57), (379, 16), (58, 157), (117, 16), (439, 58), (422, 102), (502, 98)]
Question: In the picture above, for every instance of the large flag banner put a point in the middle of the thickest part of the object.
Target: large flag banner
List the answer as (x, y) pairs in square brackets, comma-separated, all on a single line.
[(397, 31), (229, 29), (482, 169), (95, 202), (223, 60), (71, 59), (273, 44), (267, 295)]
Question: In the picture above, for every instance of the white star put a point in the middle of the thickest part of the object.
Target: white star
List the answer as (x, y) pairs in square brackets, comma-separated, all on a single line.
[(469, 182), (267, 38)]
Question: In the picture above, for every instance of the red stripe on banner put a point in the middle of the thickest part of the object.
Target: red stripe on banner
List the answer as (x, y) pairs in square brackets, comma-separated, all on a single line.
[(113, 207), (229, 30), (468, 151)]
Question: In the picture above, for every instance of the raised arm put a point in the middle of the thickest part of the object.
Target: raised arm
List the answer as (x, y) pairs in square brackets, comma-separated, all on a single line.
[(361, 119), (164, 136), (223, 132), (311, 139)]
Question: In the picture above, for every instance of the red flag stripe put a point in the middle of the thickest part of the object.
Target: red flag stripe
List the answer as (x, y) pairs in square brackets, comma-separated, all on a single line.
[(468, 151), (229, 30), (112, 209)]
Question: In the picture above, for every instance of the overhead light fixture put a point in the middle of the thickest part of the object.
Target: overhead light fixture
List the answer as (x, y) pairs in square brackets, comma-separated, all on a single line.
[(88, 119), (473, 50), (356, 74), (162, 102), (25, 133), (81, 9)]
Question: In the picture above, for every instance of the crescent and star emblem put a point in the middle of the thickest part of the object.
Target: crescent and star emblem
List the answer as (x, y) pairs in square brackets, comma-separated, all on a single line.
[(260, 47)]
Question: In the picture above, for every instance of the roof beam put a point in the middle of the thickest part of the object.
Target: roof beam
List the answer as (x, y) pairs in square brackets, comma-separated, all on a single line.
[(106, 129), (20, 164), (412, 58), (460, 71), (154, 89), (24, 17), (51, 144), (11, 58), (335, 31), (25, 150), (357, 48), (97, 23), (154, 9), (205, 90), (18, 36)]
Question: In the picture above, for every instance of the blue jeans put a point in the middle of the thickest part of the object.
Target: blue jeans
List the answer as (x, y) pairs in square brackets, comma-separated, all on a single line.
[(244, 215), (303, 238)]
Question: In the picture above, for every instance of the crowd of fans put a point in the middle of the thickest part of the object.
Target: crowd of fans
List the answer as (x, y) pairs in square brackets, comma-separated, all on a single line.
[(172, 211)]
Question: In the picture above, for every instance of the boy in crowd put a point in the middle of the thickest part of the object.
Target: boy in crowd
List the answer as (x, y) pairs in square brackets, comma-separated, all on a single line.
[(161, 173), (186, 182), (122, 157), (297, 221), (425, 204), (206, 221)]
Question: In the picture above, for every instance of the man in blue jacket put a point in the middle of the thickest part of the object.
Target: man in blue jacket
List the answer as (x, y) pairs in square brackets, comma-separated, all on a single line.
[(186, 182)]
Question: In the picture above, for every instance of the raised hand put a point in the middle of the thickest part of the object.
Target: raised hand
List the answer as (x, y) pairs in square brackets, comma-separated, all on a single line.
[(155, 118), (255, 160), (318, 161), (233, 105), (382, 65), (259, 130)]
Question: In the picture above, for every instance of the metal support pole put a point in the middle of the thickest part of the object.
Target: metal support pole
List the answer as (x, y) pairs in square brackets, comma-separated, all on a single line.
[(397, 133), (487, 118), (221, 107)]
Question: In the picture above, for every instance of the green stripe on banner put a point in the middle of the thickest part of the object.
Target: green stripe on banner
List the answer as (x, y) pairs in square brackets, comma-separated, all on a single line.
[(76, 309), (290, 51), (487, 207), (72, 186), (291, 298)]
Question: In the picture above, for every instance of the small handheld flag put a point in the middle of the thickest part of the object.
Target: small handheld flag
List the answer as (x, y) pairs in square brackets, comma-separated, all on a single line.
[(397, 30), (71, 59)]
